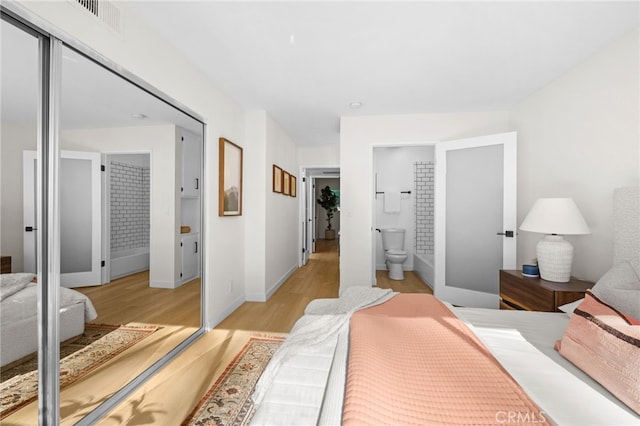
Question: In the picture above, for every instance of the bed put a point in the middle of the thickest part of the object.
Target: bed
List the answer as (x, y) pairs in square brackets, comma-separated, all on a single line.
[(19, 320), (550, 368)]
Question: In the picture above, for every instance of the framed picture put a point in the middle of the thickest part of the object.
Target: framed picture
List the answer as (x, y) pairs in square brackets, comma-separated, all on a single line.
[(293, 186), (230, 179), (277, 179), (286, 183)]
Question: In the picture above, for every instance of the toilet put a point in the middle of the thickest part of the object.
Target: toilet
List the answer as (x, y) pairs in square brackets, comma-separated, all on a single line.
[(393, 246)]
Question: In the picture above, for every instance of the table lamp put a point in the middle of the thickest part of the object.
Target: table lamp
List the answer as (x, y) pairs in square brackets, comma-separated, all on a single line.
[(555, 216)]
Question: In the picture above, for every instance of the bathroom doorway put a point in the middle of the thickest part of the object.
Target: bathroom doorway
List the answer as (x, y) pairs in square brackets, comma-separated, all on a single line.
[(404, 187), (127, 188)]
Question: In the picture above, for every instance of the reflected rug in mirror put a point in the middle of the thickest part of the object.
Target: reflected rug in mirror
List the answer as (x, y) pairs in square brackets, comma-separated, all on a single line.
[(79, 356), (228, 401)]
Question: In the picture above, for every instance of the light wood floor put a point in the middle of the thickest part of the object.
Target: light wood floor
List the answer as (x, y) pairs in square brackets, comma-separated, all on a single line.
[(130, 299), (168, 397)]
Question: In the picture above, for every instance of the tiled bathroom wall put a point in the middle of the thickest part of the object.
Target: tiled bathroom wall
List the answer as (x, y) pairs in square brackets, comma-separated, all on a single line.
[(129, 206), (424, 204)]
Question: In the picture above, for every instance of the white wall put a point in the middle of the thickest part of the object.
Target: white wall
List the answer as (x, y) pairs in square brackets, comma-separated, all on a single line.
[(579, 137), (326, 155), (281, 210), (15, 139), (358, 137), (271, 237), (394, 168), (139, 50), (257, 186), (161, 143)]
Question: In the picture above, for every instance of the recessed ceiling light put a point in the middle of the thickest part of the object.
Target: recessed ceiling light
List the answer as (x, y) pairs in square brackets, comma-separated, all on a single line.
[(139, 116), (355, 105)]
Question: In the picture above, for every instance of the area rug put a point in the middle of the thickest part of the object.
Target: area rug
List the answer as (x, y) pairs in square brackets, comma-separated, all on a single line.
[(98, 344), (228, 402)]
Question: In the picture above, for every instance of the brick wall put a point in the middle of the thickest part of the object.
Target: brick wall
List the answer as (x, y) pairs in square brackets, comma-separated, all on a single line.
[(424, 203), (129, 206)]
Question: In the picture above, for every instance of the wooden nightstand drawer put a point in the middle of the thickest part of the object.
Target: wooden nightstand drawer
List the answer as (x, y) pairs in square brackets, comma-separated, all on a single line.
[(5, 265), (535, 294), (525, 294)]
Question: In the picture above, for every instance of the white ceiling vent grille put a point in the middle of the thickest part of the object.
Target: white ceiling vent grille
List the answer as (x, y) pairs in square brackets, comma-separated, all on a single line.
[(104, 10)]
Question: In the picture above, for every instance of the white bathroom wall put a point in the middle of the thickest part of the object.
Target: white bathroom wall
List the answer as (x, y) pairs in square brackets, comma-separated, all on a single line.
[(393, 172)]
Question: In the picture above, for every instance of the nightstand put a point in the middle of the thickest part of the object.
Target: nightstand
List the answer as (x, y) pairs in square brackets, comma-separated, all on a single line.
[(5, 264), (536, 294)]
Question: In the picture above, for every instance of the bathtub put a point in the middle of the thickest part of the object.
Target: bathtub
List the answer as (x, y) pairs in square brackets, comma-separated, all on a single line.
[(130, 261), (423, 266)]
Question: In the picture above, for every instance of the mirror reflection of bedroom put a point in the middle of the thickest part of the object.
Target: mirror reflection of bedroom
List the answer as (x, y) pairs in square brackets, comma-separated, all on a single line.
[(130, 209)]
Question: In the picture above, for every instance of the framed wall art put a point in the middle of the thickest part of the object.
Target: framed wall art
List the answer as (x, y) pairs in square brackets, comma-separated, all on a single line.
[(230, 179), (277, 179), (293, 186), (286, 183)]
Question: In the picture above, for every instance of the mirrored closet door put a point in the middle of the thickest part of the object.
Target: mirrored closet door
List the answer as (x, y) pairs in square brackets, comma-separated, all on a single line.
[(128, 212)]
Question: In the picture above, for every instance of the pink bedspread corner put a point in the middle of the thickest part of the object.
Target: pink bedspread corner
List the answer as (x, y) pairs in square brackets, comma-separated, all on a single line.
[(412, 361)]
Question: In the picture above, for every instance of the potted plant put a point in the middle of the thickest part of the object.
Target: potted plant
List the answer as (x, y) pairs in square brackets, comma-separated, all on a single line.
[(329, 201)]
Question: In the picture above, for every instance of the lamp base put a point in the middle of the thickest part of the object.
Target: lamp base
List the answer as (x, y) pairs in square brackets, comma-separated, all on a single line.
[(555, 255)]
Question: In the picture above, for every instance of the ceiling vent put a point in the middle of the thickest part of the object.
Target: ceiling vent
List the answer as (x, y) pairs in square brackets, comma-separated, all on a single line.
[(104, 10)]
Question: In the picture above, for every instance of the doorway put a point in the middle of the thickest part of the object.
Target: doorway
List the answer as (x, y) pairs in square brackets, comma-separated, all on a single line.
[(126, 213), (312, 216), (473, 194)]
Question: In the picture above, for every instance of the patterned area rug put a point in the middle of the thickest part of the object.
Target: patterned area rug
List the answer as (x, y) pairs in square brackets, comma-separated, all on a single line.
[(98, 344), (228, 401)]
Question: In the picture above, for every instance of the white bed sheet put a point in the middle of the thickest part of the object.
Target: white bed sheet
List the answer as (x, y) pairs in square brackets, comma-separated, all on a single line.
[(521, 341)]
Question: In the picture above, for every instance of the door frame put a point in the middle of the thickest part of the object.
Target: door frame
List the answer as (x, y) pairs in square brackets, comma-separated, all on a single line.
[(374, 189), (460, 296), (308, 207)]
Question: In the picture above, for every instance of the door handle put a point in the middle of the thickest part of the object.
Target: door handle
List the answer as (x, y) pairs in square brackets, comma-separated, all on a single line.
[(30, 229), (508, 234)]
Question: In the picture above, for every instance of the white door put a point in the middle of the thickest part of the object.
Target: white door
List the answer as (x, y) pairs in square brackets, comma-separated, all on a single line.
[(475, 217), (305, 201), (80, 217), (189, 249)]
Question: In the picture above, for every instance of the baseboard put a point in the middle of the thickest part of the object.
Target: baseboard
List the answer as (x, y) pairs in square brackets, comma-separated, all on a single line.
[(228, 311), (281, 281), (165, 284)]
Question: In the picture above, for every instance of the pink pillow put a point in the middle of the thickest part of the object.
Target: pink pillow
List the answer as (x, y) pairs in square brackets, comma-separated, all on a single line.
[(605, 344)]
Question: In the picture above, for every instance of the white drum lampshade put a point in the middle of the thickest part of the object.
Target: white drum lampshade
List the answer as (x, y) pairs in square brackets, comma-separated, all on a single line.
[(555, 217)]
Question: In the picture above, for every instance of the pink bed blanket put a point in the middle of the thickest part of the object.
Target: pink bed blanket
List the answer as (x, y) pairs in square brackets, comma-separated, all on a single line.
[(412, 361)]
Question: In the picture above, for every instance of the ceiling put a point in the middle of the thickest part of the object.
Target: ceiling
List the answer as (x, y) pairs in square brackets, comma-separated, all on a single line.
[(92, 96), (306, 62)]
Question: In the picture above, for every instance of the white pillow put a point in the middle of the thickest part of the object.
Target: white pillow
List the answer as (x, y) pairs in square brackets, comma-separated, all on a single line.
[(12, 283), (620, 288), (570, 307)]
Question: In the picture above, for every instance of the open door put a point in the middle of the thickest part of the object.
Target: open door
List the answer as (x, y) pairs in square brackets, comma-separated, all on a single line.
[(475, 218), (305, 223), (80, 217)]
